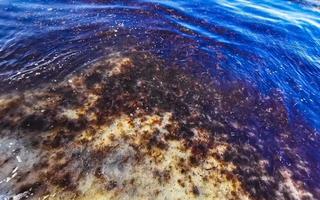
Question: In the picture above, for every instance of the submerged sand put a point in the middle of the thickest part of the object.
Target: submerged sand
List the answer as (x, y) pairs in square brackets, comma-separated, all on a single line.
[(130, 127)]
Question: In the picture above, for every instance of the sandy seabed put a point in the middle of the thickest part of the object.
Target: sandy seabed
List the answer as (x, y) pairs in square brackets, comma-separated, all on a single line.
[(129, 127)]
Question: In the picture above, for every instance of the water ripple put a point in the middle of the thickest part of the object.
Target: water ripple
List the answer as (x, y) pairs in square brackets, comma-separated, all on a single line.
[(271, 44)]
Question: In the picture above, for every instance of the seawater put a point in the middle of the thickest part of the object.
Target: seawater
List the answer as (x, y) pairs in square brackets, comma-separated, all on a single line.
[(239, 76)]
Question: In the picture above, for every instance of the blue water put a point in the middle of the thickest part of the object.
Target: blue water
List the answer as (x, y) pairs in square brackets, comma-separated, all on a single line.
[(273, 45)]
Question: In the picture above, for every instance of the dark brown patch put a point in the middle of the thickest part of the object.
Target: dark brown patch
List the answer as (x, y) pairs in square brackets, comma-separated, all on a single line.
[(93, 79), (195, 190), (35, 123)]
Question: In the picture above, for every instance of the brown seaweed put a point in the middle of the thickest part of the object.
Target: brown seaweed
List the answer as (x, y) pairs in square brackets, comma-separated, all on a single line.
[(130, 126)]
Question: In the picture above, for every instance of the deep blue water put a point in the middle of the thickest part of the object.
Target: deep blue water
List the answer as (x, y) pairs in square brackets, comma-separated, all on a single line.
[(262, 59), (274, 44)]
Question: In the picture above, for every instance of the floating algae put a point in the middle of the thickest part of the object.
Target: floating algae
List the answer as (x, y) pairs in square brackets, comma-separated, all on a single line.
[(129, 127)]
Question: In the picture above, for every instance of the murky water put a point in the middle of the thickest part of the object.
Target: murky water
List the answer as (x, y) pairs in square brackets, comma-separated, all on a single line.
[(159, 99)]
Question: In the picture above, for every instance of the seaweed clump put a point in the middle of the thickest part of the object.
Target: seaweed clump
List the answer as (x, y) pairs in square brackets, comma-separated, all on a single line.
[(131, 127)]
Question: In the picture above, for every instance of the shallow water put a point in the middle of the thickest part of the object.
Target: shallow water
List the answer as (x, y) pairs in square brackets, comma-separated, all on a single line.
[(273, 45), (245, 73)]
